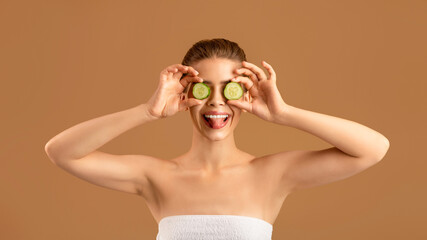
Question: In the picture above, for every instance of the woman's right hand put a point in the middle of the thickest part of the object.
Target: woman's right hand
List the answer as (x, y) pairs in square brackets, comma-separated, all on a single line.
[(169, 97)]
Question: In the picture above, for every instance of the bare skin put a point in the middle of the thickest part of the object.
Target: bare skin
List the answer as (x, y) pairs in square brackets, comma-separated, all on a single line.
[(248, 188), (215, 177)]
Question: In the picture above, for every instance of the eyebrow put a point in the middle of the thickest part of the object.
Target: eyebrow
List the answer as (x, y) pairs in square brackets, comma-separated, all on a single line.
[(225, 81)]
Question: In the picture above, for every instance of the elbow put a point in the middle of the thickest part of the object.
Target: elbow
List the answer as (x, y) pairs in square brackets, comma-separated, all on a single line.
[(379, 151), (383, 149), (48, 151), (46, 147)]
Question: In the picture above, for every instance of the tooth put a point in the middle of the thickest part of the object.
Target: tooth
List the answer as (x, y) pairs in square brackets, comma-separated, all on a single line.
[(216, 116)]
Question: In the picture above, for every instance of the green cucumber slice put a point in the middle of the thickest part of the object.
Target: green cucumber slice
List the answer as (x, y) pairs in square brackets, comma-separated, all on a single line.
[(233, 91), (201, 90)]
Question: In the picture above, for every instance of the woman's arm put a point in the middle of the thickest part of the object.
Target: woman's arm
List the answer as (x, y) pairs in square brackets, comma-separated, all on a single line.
[(84, 138), (356, 147), (74, 149), (348, 136)]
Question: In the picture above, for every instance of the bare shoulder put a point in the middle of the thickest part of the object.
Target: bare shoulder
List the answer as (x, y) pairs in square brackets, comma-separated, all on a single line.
[(268, 172), (149, 166), (272, 161)]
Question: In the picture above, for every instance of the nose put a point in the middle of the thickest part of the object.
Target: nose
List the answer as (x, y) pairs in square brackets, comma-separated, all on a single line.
[(216, 97)]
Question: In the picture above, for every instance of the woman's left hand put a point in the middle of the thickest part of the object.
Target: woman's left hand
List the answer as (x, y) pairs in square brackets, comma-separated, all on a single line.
[(267, 103)]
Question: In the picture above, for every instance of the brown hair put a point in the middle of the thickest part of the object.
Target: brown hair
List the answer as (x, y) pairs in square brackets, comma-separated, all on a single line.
[(213, 48)]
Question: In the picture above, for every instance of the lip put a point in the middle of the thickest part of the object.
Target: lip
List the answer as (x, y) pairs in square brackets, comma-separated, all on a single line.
[(216, 113)]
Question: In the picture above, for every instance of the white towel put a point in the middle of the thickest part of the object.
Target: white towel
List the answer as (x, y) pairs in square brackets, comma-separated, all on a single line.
[(213, 227)]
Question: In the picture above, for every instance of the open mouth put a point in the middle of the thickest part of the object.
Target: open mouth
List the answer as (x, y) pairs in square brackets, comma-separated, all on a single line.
[(216, 121)]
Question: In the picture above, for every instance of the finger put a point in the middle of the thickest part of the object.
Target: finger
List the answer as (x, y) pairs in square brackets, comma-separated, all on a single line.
[(254, 68), (173, 69), (248, 83), (164, 74), (176, 68), (187, 79), (270, 70), (187, 70), (183, 68), (177, 75), (248, 73), (189, 102), (167, 73), (241, 104), (193, 71), (193, 102), (181, 71), (170, 75)]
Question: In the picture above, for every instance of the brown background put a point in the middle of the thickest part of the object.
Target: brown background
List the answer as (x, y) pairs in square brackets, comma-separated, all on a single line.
[(65, 62)]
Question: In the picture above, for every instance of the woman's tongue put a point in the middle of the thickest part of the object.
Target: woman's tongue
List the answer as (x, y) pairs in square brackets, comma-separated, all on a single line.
[(216, 122)]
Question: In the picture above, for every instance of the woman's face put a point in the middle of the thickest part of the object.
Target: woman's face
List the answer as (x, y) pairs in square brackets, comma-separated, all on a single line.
[(216, 73)]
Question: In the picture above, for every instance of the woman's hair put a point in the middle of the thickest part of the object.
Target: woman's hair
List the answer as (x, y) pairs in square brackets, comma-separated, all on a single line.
[(213, 48)]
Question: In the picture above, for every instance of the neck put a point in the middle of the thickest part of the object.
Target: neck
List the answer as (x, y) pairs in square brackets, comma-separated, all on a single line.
[(210, 155)]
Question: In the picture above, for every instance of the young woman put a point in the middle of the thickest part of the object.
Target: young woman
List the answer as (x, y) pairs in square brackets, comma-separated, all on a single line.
[(215, 190)]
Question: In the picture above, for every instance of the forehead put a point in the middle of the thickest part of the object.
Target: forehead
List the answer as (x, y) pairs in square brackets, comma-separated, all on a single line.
[(216, 70)]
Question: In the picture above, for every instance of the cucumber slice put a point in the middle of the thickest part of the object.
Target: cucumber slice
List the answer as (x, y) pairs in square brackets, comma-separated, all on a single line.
[(233, 91), (201, 90)]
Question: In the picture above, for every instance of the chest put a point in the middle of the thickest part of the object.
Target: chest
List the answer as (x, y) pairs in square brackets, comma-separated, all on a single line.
[(248, 189)]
